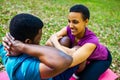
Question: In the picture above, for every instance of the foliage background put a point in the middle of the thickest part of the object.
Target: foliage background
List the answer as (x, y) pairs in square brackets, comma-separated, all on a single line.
[(104, 20)]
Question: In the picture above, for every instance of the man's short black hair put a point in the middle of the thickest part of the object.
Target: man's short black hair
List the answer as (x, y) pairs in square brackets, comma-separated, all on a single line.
[(23, 26), (81, 9)]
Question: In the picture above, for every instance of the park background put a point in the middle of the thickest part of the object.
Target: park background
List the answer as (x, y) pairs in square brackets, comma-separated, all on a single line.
[(104, 20)]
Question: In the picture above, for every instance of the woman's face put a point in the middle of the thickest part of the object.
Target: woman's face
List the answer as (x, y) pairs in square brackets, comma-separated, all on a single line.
[(76, 23)]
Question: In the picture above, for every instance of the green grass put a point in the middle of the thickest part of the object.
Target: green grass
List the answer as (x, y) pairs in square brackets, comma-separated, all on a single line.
[(104, 20)]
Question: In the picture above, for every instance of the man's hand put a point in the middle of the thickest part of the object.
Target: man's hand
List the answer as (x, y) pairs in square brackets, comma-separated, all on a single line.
[(12, 46)]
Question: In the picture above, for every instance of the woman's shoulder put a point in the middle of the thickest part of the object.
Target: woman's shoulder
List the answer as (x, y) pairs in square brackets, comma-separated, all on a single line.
[(89, 32), (89, 37)]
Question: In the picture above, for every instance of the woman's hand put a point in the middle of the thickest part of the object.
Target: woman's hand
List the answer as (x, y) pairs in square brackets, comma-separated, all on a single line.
[(54, 39), (49, 43)]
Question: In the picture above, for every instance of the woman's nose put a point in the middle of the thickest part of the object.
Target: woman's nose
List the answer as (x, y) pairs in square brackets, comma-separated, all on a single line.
[(71, 25)]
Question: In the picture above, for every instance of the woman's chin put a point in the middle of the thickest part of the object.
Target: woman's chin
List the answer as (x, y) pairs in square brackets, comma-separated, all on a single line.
[(73, 34)]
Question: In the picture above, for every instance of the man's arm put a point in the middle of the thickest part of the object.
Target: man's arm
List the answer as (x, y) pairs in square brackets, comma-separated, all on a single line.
[(53, 61)]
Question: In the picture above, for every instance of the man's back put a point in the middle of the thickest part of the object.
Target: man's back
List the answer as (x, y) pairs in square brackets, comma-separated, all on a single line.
[(23, 67)]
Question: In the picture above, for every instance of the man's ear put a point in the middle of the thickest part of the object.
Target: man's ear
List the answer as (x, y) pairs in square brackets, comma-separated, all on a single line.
[(28, 41)]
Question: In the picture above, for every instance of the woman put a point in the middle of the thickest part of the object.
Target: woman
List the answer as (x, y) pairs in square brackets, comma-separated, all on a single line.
[(90, 50)]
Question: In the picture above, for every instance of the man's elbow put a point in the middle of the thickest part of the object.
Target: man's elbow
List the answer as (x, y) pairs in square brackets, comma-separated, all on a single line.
[(67, 60)]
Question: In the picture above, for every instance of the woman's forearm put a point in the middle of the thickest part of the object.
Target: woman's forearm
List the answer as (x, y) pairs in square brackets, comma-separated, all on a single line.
[(65, 49)]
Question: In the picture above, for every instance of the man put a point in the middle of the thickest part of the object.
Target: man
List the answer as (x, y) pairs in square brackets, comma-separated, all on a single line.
[(19, 64)]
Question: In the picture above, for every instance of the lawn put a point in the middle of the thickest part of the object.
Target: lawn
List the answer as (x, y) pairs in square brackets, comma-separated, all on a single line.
[(104, 20)]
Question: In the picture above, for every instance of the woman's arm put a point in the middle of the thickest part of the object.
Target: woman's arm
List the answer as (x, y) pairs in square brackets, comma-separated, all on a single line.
[(83, 53), (79, 55), (59, 34), (55, 42)]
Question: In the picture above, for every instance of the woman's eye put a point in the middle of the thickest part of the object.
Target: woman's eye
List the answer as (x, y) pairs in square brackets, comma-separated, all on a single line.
[(75, 21), (68, 21)]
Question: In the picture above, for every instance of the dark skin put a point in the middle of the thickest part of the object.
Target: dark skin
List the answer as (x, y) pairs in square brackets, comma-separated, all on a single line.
[(53, 61), (65, 41)]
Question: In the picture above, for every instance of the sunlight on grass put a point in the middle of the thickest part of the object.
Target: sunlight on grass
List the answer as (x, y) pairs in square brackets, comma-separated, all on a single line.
[(104, 20)]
